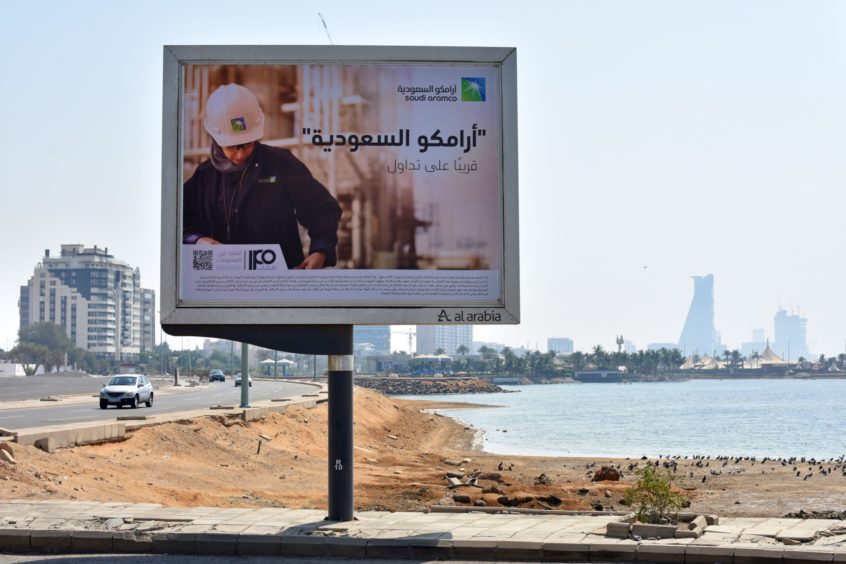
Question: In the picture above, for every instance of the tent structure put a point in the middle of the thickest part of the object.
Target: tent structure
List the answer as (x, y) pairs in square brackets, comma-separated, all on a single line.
[(769, 358)]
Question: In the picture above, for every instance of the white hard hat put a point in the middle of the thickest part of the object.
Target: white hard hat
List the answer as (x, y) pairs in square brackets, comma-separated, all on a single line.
[(233, 116)]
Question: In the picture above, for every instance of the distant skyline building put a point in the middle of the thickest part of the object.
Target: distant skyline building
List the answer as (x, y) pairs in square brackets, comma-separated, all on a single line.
[(430, 338), (659, 346), (97, 299), (790, 339), (376, 339), (699, 335), (757, 345), (560, 345)]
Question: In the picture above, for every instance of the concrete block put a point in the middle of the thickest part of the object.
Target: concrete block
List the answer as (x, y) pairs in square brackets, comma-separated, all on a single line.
[(700, 522), (344, 547), (529, 551), (14, 540), (129, 543), (259, 545), (430, 549), (47, 444), (216, 543), (613, 552), (702, 554), (50, 540), (566, 552), (681, 534), (660, 553), (399, 548), (174, 543), (469, 549), (255, 413), (646, 531), (296, 545), (808, 554), (619, 530), (755, 555), (91, 541)]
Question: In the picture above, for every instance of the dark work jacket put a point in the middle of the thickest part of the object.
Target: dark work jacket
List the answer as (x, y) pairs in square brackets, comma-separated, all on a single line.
[(276, 192)]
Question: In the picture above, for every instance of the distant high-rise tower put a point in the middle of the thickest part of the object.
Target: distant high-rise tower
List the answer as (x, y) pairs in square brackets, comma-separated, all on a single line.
[(790, 336), (430, 338), (698, 335), (560, 345), (376, 338)]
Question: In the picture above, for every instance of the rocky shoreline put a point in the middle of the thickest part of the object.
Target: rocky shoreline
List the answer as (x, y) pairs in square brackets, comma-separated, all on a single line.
[(427, 386)]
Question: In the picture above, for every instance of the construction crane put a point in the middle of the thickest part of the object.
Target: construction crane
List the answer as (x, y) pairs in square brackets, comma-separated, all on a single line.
[(411, 334)]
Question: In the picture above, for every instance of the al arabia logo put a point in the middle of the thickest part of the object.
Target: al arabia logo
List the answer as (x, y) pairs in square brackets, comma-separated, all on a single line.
[(472, 89), (238, 124)]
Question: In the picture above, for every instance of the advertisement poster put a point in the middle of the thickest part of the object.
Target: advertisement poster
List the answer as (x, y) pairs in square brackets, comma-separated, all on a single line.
[(341, 184)]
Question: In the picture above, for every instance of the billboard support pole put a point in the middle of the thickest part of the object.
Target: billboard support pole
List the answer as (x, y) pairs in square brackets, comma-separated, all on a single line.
[(341, 428)]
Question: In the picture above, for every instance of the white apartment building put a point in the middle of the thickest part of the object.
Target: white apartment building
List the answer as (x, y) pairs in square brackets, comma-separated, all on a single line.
[(97, 299), (430, 338)]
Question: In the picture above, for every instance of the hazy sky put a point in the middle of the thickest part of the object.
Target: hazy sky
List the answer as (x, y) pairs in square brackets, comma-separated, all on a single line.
[(658, 140)]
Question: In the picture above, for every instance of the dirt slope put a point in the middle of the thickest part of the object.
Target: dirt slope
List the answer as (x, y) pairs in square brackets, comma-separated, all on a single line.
[(400, 465)]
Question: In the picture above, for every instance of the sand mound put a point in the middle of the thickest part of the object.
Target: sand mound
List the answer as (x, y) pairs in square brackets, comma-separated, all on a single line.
[(402, 457)]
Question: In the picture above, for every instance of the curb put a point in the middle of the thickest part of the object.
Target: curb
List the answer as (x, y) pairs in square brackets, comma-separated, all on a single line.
[(78, 434), (41, 541)]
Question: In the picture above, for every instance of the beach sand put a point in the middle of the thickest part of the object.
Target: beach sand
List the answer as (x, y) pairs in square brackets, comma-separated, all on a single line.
[(402, 456)]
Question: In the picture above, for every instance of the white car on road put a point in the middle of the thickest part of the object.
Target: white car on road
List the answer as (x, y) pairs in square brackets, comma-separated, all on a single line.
[(238, 379), (127, 389)]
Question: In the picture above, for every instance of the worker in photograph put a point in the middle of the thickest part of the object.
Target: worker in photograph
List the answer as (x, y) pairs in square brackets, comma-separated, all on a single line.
[(251, 193)]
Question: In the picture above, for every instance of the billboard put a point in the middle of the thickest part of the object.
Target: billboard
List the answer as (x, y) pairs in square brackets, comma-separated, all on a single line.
[(339, 185)]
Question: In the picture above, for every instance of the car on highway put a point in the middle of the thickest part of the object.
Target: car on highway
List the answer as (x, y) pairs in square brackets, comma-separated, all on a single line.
[(238, 380), (217, 375), (127, 389)]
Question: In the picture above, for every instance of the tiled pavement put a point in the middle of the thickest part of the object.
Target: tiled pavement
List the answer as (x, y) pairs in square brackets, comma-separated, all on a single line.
[(91, 527)]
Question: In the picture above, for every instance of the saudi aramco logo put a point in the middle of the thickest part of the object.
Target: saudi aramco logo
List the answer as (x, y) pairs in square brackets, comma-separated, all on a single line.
[(238, 124), (472, 89)]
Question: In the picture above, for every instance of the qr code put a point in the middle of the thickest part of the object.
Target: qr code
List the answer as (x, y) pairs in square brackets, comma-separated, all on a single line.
[(203, 260)]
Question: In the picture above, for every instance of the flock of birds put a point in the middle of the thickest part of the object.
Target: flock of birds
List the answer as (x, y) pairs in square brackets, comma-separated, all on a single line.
[(820, 467)]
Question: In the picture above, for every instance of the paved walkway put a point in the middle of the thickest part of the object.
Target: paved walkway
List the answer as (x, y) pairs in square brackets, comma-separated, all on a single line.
[(92, 527)]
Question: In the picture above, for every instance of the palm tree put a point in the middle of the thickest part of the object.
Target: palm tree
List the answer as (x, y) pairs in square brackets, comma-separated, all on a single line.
[(577, 360), (462, 350), (600, 357), (736, 359), (757, 358), (509, 360)]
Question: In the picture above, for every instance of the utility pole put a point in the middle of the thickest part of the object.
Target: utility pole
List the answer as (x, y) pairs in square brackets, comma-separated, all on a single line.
[(245, 375)]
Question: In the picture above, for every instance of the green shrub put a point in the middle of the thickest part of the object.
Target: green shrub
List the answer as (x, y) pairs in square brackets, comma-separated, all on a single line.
[(653, 498)]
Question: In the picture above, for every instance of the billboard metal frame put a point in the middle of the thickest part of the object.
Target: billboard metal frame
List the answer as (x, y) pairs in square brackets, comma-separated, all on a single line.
[(174, 314)]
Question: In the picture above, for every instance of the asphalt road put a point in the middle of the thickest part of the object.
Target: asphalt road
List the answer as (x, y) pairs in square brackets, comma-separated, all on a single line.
[(220, 393), (36, 387)]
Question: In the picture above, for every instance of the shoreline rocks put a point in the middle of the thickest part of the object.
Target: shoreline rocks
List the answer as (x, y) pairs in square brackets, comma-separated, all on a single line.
[(427, 386)]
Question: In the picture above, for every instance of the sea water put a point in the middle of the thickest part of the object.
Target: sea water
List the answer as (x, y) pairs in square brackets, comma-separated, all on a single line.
[(773, 418)]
